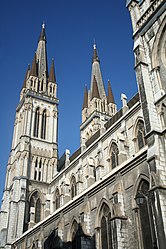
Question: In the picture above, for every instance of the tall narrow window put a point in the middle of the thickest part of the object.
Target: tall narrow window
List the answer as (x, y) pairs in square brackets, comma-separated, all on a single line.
[(42, 85), (75, 238), (140, 133), (114, 155), (36, 123), (57, 199), (38, 211), (106, 234), (43, 128), (36, 204), (73, 187), (145, 203)]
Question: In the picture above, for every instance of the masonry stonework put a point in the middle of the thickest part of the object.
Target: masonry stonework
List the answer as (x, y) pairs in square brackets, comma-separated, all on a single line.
[(111, 193)]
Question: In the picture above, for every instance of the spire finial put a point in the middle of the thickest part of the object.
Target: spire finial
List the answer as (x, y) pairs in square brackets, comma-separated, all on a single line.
[(95, 56), (43, 34), (43, 25), (94, 44)]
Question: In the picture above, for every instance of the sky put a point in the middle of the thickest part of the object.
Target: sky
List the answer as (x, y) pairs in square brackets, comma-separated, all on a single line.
[(71, 27)]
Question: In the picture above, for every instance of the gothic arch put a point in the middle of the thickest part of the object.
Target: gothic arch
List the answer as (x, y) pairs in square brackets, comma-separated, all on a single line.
[(135, 126), (35, 207), (40, 194), (99, 209), (57, 198), (70, 231), (141, 177), (135, 134), (113, 153), (144, 215), (157, 46), (73, 186)]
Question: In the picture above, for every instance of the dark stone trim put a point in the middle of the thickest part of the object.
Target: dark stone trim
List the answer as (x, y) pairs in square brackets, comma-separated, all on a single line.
[(153, 132), (119, 218), (20, 177)]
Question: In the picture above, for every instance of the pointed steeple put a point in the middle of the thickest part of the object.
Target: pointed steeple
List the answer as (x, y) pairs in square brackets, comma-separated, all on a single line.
[(33, 71), (41, 54), (97, 73), (110, 96), (26, 76), (95, 90), (42, 36), (52, 77), (85, 103)]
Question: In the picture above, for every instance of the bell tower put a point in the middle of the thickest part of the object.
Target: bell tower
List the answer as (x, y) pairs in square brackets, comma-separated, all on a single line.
[(97, 106), (33, 158)]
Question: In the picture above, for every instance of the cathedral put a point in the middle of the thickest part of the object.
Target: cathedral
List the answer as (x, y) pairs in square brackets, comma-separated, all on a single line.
[(111, 192)]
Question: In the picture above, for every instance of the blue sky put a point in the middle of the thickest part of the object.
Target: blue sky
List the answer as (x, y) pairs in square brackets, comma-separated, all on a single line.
[(71, 27)]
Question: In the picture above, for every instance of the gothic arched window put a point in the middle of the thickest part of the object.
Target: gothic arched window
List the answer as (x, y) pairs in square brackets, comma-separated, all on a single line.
[(73, 187), (76, 240), (57, 199), (145, 201), (43, 125), (106, 234), (114, 155), (36, 123), (140, 134), (35, 202)]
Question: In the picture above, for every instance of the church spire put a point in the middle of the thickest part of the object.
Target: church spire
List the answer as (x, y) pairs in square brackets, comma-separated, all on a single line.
[(85, 103), (41, 54), (52, 77), (110, 96), (97, 73)]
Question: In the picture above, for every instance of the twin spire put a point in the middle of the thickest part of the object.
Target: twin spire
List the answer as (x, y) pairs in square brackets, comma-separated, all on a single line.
[(39, 64), (97, 86)]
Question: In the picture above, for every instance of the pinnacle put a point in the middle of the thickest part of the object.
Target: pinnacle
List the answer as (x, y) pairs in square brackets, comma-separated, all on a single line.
[(33, 71), (52, 77), (110, 96), (85, 103), (95, 90)]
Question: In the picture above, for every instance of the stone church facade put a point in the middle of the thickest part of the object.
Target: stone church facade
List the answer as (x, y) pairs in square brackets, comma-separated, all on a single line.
[(111, 193)]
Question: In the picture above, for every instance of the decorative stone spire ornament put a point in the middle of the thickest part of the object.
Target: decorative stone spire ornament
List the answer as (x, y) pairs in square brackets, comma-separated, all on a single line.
[(52, 77)]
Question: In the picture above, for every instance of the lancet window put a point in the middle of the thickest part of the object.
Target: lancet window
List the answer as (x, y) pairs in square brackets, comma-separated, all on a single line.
[(114, 155), (105, 229), (35, 203), (73, 187), (145, 202), (57, 199), (140, 134), (43, 125), (36, 123)]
